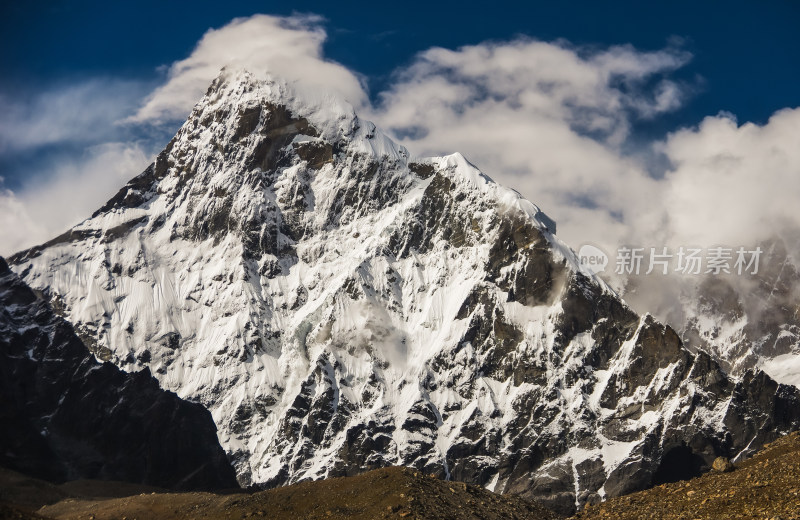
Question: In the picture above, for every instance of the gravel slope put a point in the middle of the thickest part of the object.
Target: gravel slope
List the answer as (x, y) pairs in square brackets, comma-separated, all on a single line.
[(385, 493)]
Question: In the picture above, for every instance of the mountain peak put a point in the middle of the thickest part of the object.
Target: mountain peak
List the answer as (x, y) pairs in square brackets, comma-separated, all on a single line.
[(332, 118), (248, 133)]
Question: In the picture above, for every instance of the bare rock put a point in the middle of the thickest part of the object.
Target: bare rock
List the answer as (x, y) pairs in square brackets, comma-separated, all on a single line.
[(722, 465)]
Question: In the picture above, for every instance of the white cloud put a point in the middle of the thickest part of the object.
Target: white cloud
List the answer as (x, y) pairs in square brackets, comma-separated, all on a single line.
[(59, 189), (734, 184), (66, 195), (730, 186), (77, 113), (290, 47), (19, 228)]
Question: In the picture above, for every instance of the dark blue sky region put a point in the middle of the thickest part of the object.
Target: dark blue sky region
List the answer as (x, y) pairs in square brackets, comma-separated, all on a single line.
[(746, 54)]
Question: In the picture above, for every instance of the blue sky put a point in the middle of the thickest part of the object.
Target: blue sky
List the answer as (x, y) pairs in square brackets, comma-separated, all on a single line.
[(748, 53), (676, 80)]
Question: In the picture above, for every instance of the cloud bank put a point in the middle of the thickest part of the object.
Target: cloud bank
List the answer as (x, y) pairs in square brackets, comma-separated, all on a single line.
[(733, 183), (74, 114)]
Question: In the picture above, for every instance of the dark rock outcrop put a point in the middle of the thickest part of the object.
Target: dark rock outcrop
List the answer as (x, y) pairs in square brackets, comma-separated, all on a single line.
[(65, 416)]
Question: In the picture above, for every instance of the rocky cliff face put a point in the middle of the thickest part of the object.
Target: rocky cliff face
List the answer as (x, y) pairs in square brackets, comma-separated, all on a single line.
[(339, 305), (65, 416)]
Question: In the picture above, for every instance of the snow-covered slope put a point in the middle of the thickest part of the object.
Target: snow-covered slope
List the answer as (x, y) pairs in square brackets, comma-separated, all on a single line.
[(339, 305)]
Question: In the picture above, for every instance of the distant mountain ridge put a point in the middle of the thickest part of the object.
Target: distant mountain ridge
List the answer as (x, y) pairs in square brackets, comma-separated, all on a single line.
[(339, 305)]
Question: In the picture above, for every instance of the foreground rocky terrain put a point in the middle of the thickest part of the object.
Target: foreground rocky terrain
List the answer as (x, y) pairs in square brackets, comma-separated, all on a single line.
[(385, 493), (64, 415), (766, 486), (340, 306)]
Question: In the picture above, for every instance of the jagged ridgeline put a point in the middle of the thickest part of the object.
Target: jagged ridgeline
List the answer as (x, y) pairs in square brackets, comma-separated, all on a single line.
[(339, 305)]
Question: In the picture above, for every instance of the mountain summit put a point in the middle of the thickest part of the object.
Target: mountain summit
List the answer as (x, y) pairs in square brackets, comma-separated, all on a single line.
[(339, 306)]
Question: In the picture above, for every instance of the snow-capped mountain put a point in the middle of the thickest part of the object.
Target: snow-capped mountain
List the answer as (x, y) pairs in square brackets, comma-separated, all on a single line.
[(339, 305)]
